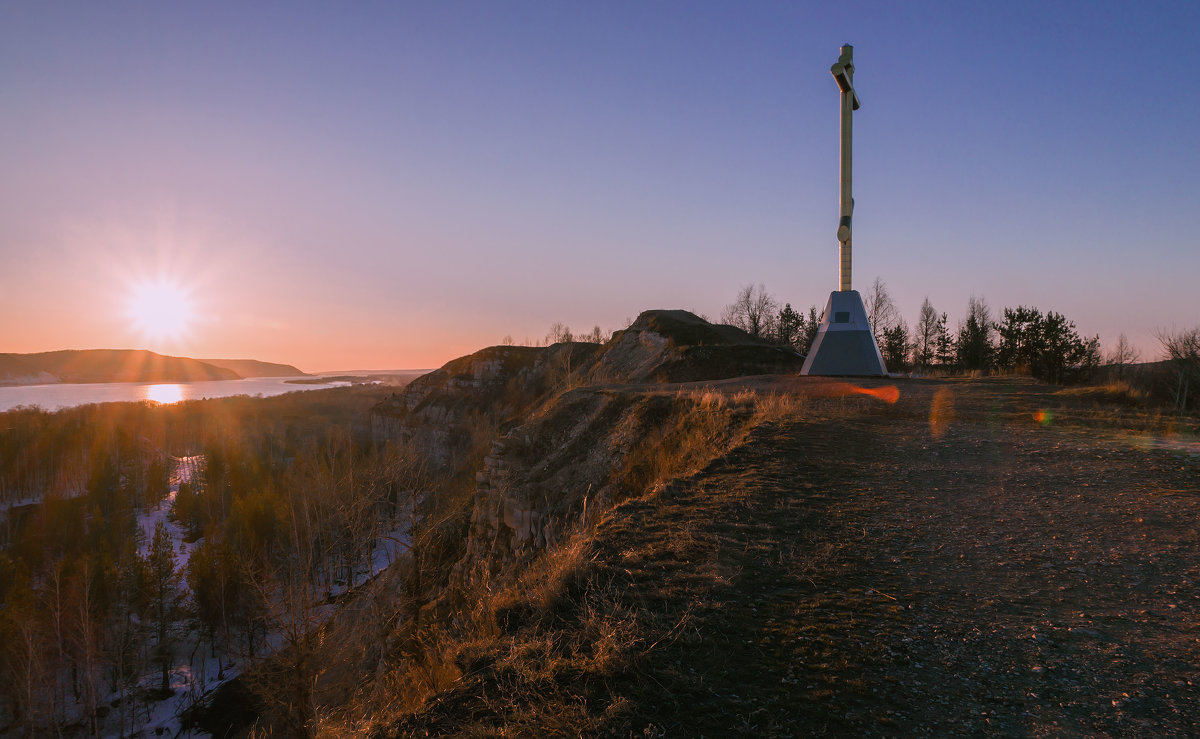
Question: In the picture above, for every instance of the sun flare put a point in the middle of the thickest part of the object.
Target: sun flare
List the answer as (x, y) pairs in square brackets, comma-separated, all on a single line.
[(160, 310)]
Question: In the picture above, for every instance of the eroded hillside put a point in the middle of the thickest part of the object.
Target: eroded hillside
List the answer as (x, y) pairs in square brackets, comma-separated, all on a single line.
[(617, 544), (981, 557)]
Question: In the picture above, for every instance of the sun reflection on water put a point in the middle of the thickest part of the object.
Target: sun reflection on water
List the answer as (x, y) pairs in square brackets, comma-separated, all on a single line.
[(164, 393)]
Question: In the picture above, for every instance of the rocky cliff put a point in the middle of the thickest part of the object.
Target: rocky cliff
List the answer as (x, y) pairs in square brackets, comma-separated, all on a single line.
[(497, 386), (569, 425)]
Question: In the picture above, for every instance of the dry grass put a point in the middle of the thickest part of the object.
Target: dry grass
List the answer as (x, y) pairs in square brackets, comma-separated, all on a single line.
[(778, 406), (507, 647), (685, 433), (810, 577), (1112, 393)]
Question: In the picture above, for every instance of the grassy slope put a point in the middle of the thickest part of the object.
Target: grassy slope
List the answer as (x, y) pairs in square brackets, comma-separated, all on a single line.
[(946, 565)]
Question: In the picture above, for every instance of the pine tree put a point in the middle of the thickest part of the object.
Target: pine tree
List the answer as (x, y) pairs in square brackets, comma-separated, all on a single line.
[(974, 345), (945, 342), (895, 347), (789, 327)]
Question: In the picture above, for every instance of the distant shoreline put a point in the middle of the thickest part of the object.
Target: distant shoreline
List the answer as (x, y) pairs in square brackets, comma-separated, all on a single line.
[(56, 396), (61, 383)]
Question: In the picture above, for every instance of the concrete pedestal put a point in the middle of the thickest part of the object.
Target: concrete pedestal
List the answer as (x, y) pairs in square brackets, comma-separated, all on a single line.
[(844, 343)]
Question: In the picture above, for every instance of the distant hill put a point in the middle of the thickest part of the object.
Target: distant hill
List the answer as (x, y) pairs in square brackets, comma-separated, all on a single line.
[(106, 365), (16, 371), (255, 368)]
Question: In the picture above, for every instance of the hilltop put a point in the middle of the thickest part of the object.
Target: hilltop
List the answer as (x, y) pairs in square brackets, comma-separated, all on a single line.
[(128, 365), (672, 534), (947, 565)]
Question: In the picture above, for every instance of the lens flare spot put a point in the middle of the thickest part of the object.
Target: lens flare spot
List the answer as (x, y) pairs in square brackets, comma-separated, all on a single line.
[(888, 394), (941, 412), (1043, 417)]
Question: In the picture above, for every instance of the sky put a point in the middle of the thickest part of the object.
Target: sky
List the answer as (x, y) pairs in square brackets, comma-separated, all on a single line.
[(392, 185)]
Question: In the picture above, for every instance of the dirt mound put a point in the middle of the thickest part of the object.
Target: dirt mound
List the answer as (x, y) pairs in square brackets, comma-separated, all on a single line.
[(688, 329), (678, 346)]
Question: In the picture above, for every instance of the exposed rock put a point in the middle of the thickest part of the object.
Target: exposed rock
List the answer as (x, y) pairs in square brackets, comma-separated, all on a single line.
[(678, 346), (436, 410), (567, 426)]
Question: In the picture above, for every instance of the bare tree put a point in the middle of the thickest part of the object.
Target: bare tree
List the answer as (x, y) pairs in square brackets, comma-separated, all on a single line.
[(86, 641), (881, 311), (1123, 355), (1183, 354), (926, 334), (753, 311), (595, 336), (559, 332)]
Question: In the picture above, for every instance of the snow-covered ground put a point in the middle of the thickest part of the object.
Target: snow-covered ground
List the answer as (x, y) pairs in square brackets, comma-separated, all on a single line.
[(201, 667), (198, 676), (201, 672), (185, 471)]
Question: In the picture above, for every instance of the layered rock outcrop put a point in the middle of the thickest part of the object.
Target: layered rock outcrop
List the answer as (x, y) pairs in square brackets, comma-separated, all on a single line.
[(563, 421)]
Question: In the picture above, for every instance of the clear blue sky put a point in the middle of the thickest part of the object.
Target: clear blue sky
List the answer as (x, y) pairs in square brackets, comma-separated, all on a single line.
[(395, 184)]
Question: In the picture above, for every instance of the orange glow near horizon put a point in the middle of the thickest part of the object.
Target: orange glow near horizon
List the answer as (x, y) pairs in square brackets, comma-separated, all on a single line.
[(159, 310)]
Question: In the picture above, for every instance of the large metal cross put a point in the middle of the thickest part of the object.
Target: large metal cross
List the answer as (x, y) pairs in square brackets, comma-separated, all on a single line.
[(843, 72)]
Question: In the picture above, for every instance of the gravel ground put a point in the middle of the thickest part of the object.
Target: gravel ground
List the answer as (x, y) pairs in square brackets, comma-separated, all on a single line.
[(981, 557)]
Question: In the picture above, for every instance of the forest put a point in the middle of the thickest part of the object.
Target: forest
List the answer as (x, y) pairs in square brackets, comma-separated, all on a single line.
[(114, 598)]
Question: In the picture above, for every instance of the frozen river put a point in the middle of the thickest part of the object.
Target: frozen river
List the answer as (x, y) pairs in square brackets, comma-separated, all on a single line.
[(54, 397)]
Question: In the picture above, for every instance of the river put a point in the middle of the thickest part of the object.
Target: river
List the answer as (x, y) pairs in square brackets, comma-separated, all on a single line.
[(54, 397)]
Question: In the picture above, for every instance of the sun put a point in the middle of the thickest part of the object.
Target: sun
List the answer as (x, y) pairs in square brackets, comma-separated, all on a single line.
[(159, 310)]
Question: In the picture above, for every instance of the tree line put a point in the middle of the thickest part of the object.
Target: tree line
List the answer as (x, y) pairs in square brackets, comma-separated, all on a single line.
[(1017, 340)]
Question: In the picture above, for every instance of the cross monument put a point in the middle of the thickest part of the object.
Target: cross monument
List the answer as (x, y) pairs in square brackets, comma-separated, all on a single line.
[(844, 344)]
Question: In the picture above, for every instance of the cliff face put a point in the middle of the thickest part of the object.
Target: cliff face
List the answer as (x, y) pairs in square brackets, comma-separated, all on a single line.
[(439, 412), (436, 411), (540, 477), (569, 424), (575, 459)]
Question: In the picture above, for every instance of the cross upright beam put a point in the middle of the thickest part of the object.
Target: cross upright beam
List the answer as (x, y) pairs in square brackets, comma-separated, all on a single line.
[(844, 344), (843, 72)]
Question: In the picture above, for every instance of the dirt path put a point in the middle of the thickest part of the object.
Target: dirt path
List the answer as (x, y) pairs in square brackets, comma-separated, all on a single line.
[(946, 565)]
